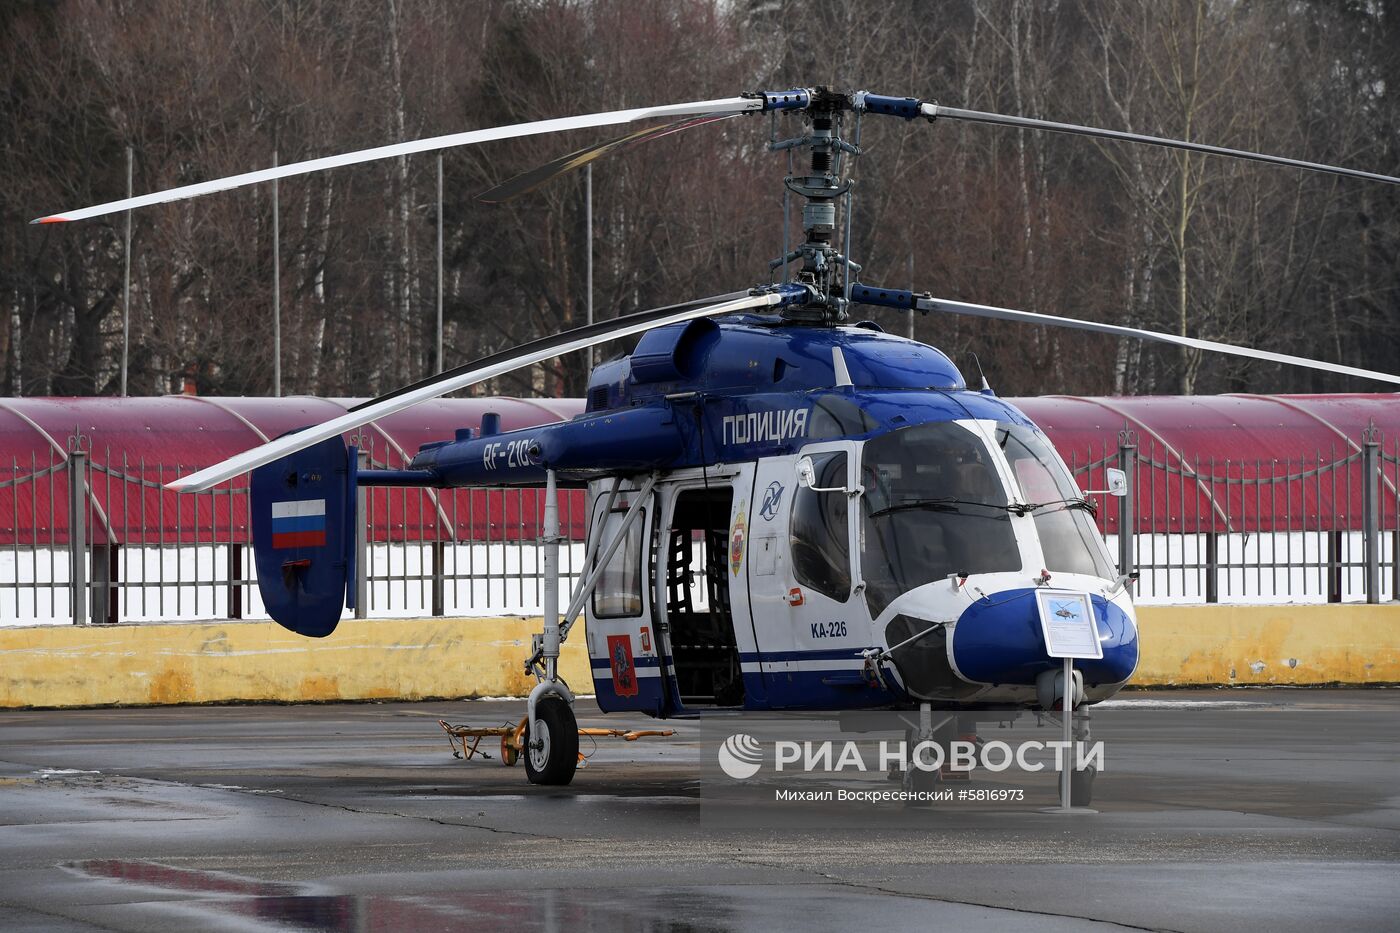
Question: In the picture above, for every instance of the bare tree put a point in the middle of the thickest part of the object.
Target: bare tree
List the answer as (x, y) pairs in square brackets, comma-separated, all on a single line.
[(201, 88)]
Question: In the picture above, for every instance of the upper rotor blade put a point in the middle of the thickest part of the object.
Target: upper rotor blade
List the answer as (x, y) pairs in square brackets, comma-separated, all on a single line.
[(486, 368), (528, 181), (933, 111), (726, 106), (1117, 330)]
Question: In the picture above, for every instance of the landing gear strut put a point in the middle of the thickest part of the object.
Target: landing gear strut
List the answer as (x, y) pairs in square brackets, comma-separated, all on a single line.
[(551, 731), (924, 781), (547, 738)]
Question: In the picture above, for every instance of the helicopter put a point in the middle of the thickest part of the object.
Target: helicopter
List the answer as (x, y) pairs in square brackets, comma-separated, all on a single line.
[(788, 508)]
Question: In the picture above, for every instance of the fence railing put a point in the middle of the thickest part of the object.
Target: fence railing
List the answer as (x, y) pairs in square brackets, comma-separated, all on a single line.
[(1319, 528), (98, 538)]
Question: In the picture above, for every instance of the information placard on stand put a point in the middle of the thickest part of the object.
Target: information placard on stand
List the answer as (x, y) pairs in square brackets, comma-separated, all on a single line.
[(1067, 622)]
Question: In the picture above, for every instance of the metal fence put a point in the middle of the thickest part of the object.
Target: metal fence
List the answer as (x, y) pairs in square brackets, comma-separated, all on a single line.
[(1318, 528), (117, 546), (98, 538)]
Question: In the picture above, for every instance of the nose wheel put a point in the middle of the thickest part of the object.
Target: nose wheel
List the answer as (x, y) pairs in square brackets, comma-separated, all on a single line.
[(1081, 780), (1081, 786), (923, 782), (551, 757)]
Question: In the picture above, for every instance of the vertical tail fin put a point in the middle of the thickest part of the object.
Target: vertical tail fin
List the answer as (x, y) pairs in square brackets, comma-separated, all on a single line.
[(303, 511)]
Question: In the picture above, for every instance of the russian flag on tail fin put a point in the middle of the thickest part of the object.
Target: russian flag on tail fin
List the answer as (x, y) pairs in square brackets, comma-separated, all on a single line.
[(299, 524)]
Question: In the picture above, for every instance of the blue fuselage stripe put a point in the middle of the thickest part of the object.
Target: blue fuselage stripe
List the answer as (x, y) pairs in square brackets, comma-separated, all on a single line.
[(752, 657), (825, 654), (298, 523)]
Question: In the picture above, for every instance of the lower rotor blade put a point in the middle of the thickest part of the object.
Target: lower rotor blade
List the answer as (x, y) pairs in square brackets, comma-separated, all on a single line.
[(935, 111), (488, 367), (526, 182), (1117, 330), (607, 328)]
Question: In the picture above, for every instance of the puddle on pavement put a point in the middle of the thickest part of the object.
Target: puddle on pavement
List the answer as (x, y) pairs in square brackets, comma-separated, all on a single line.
[(295, 906)]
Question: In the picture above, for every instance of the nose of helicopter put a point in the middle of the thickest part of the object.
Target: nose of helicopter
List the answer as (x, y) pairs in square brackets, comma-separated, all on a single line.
[(998, 640)]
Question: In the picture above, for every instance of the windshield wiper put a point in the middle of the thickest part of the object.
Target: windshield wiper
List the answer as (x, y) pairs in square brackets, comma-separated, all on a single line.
[(1086, 504), (946, 504)]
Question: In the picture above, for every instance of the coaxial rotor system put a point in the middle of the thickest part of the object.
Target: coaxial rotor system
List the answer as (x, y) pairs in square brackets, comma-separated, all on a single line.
[(821, 280)]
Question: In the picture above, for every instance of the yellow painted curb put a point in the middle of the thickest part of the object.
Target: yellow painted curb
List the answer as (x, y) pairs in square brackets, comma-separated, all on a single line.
[(218, 662), (410, 659), (1261, 645)]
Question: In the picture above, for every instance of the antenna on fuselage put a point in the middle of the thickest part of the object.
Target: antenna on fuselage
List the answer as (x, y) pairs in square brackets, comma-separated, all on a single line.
[(843, 372), (986, 386)]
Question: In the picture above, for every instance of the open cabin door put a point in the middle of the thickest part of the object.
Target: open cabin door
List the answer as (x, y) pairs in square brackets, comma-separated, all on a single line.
[(700, 590), (622, 643), (810, 618)]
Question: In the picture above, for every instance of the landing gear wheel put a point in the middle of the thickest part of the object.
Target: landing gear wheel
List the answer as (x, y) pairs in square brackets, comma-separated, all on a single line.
[(552, 756), (509, 753), (923, 783), (1081, 787), (918, 780)]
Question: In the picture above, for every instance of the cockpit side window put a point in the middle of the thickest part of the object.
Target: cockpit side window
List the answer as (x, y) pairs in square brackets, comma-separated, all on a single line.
[(1067, 534), (820, 531)]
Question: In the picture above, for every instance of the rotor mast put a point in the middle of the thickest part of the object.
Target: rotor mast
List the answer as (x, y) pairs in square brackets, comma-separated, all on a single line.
[(820, 187)]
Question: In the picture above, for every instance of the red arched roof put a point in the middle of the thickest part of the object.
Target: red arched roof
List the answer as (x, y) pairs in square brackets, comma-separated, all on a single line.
[(1201, 456), (1194, 451), (138, 444)]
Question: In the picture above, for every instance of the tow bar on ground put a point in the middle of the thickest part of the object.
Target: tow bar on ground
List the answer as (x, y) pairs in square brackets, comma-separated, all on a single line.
[(466, 740)]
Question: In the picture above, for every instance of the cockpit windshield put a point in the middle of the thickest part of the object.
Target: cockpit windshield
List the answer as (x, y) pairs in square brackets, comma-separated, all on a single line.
[(933, 506), (1063, 519)]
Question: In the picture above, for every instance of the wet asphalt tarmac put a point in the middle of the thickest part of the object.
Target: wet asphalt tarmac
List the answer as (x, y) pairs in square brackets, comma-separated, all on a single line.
[(1220, 810)]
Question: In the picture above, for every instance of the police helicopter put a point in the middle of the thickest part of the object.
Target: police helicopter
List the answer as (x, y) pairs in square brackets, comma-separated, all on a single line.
[(873, 533)]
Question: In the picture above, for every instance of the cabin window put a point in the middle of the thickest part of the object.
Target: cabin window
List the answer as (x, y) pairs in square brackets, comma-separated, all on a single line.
[(820, 531), (835, 417), (933, 506), (618, 594), (1063, 523)]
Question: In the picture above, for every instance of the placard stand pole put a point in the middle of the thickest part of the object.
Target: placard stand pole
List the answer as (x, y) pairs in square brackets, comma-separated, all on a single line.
[(1067, 705)]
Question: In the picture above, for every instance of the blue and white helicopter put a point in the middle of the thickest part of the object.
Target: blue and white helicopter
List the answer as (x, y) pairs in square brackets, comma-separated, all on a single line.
[(787, 510)]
